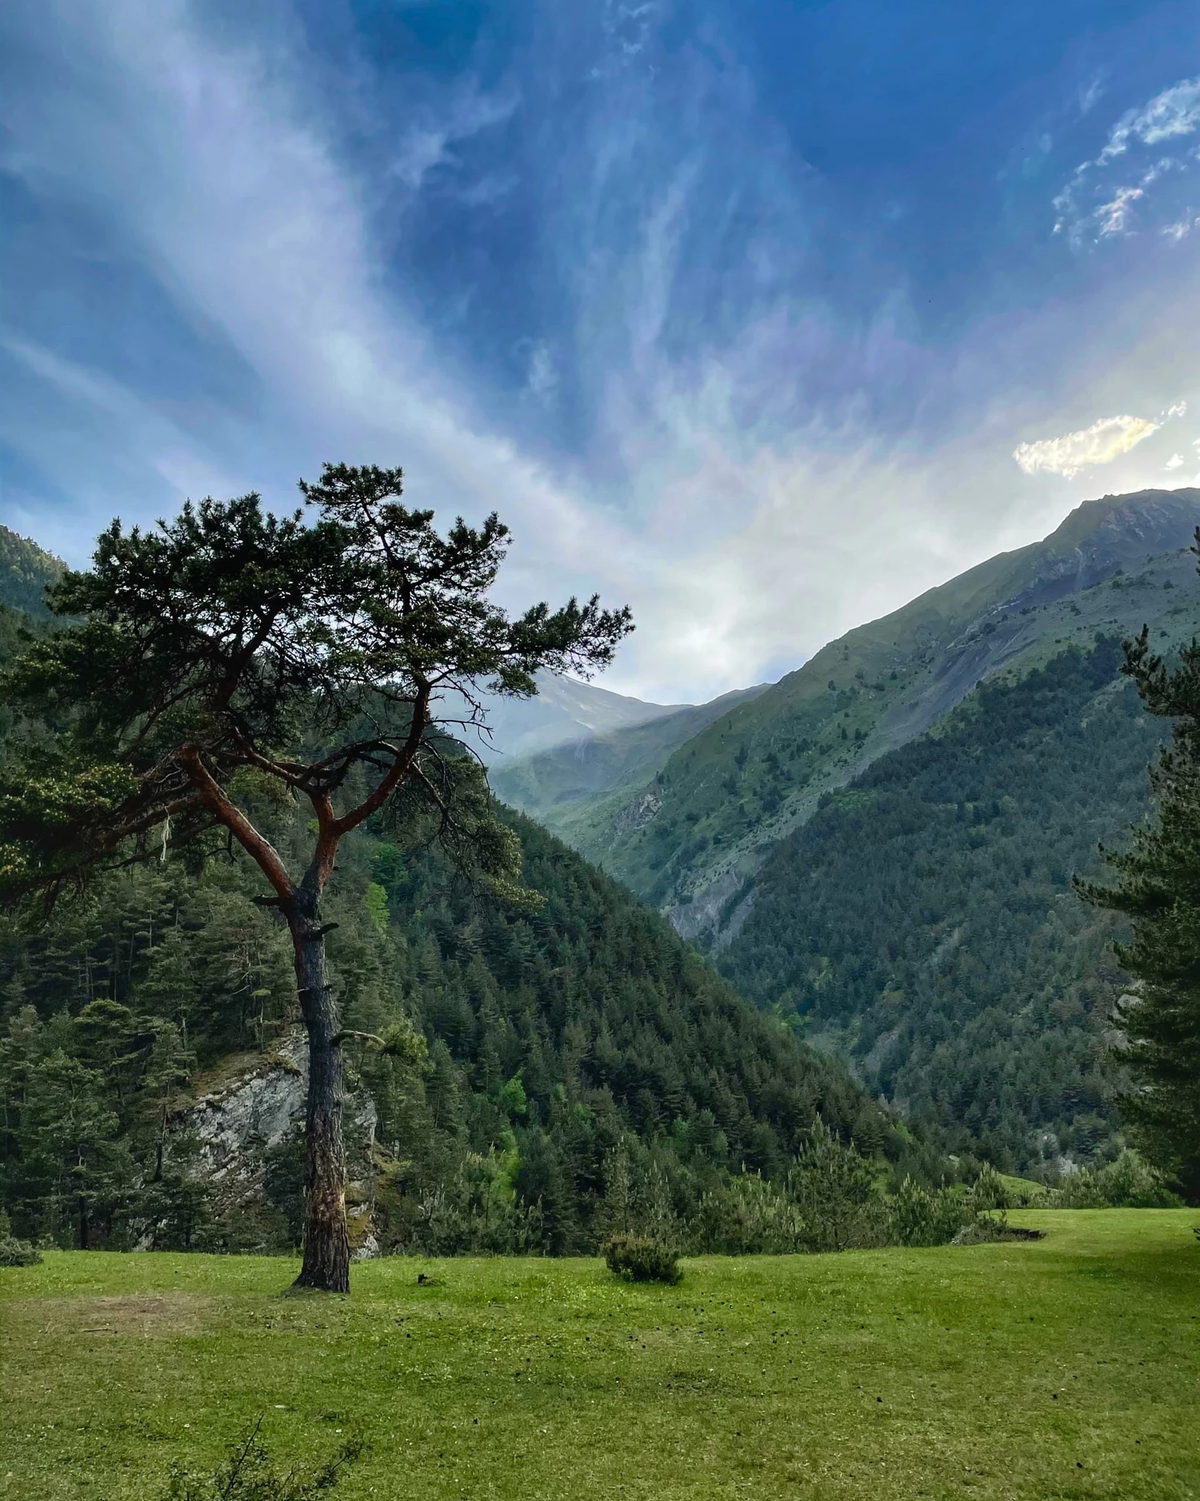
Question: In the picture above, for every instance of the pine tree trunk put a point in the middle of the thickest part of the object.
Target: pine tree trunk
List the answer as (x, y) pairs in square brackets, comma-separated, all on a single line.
[(326, 1243)]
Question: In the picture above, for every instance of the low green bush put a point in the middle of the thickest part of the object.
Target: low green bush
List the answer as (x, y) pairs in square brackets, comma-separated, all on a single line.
[(638, 1258), (920, 1217), (248, 1474), (15, 1252), (1127, 1183)]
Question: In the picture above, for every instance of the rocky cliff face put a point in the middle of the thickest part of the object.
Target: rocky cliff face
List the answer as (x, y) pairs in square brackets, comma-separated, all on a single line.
[(258, 1105)]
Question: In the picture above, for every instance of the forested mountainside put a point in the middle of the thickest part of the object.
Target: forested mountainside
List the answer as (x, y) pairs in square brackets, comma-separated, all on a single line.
[(688, 839), (924, 924), (25, 570), (552, 1037), (540, 1042)]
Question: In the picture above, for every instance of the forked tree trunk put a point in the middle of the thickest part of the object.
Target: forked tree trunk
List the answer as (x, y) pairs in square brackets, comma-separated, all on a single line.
[(326, 1263)]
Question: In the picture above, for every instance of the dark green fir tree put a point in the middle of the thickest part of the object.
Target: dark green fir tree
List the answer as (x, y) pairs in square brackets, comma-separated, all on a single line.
[(1158, 890)]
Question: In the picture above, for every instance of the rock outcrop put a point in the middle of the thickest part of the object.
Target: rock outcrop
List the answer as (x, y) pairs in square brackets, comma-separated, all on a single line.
[(256, 1105)]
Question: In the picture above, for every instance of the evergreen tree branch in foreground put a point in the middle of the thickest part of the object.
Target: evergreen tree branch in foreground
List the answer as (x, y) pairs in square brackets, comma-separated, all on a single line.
[(230, 657), (1158, 889)]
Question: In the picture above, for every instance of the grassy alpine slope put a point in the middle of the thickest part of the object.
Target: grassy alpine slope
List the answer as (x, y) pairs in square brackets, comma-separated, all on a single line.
[(1063, 1368)]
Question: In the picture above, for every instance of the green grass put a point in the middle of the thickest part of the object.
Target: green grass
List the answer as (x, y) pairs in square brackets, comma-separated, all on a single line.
[(1068, 1367)]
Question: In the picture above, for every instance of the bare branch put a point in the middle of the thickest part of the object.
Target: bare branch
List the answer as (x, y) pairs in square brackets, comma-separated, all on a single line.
[(340, 1037), (260, 849)]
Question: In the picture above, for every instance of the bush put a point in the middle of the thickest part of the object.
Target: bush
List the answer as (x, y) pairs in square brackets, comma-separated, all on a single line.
[(989, 1191), (15, 1252), (985, 1229), (748, 1216), (637, 1258), (833, 1186), (921, 1218), (249, 1475), (1127, 1183)]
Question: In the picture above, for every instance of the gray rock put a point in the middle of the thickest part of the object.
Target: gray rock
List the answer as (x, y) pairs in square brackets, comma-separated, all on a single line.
[(260, 1103)]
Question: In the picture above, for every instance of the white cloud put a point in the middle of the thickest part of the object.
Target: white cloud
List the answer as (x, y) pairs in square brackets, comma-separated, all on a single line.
[(1090, 96), (1174, 112), (1113, 217), (1100, 200), (542, 380), (1107, 439), (1174, 462)]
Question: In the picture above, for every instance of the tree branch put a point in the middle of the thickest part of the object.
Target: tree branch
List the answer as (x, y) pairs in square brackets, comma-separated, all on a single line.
[(261, 850), (400, 768), (340, 1037)]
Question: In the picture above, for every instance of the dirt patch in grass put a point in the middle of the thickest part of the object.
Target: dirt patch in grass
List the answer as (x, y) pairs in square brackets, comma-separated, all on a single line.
[(171, 1313)]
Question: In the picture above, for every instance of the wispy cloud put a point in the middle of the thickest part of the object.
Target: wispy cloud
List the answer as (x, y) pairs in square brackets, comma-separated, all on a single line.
[(1174, 112), (1107, 439), (1108, 195), (428, 144), (646, 371)]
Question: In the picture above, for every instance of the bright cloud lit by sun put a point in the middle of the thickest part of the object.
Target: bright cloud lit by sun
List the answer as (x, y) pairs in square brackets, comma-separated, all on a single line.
[(1106, 440)]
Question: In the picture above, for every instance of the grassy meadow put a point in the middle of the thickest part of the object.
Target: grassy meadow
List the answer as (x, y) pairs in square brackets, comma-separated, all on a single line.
[(1068, 1367)]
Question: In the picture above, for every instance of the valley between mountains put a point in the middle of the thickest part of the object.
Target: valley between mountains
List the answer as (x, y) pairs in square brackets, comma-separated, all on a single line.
[(879, 848), (846, 894)]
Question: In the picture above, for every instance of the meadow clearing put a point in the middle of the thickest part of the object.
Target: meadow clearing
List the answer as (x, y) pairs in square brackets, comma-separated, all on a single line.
[(1067, 1367)]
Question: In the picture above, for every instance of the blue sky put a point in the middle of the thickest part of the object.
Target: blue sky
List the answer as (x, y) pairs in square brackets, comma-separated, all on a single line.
[(760, 316)]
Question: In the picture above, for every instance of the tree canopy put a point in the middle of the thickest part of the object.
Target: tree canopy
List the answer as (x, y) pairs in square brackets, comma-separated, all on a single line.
[(229, 641)]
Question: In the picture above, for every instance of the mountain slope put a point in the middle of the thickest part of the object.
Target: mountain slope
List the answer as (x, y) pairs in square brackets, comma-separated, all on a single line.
[(689, 839), (564, 713), (923, 923), (555, 1037), (552, 785), (25, 571)]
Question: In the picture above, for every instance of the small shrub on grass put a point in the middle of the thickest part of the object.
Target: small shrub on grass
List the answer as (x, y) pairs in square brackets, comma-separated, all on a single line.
[(248, 1474), (922, 1218), (1127, 1183), (989, 1191), (986, 1229), (637, 1258), (15, 1252)]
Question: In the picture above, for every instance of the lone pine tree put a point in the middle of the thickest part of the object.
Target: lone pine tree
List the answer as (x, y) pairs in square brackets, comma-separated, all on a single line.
[(230, 654)]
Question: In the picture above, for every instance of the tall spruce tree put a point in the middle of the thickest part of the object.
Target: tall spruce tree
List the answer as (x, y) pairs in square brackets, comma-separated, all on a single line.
[(1158, 889), (231, 656)]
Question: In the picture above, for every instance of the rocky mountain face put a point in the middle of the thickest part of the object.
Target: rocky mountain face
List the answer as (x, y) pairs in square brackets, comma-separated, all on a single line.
[(253, 1108), (690, 838)]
